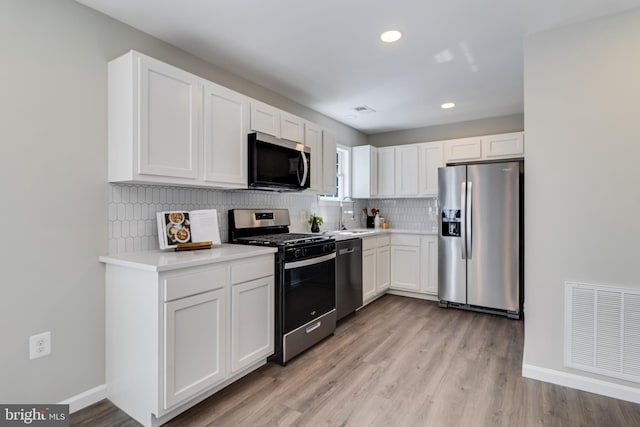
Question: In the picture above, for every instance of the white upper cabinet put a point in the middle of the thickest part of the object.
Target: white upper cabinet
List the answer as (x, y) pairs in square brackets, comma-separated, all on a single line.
[(386, 171), (163, 120), (329, 162), (465, 149), (275, 122), (430, 158), (489, 147), (167, 126), (265, 118), (506, 145), (313, 140), (291, 127), (406, 170), (226, 116), (364, 171), (323, 159)]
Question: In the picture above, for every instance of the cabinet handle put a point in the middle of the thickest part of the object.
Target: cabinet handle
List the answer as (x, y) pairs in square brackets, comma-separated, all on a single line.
[(463, 224), (313, 327)]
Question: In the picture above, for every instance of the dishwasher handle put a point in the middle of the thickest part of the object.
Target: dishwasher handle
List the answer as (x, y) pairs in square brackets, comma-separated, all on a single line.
[(347, 251)]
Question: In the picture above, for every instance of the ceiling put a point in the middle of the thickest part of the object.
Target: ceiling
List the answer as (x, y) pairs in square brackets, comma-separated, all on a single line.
[(327, 55)]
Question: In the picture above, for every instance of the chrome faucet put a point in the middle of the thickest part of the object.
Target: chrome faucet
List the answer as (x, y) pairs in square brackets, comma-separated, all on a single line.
[(342, 212)]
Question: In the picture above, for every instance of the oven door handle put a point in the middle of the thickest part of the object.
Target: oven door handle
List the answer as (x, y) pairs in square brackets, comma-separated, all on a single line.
[(307, 262)]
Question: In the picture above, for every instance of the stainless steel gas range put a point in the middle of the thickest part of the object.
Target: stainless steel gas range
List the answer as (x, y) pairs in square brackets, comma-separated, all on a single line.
[(305, 278)]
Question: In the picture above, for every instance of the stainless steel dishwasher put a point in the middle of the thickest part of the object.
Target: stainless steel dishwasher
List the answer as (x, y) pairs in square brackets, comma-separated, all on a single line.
[(348, 276)]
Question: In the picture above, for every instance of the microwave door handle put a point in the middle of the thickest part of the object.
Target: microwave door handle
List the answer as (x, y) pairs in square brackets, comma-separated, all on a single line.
[(305, 165)]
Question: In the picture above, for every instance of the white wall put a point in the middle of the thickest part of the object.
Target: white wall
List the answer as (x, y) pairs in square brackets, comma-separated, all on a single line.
[(53, 133), (582, 124)]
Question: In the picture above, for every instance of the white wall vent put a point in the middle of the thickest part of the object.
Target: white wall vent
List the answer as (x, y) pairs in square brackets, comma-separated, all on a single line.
[(602, 330)]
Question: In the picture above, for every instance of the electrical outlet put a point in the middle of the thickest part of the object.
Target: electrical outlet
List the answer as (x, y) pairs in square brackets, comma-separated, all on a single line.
[(39, 345)]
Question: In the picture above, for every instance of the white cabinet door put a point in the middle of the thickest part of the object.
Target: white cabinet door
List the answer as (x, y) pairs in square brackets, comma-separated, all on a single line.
[(252, 317), (329, 162), (405, 268), (368, 275), (386, 171), (465, 149), (406, 170), (506, 145), (383, 269), (364, 171), (291, 127), (430, 159), (429, 264), (313, 140), (226, 116), (169, 107), (264, 118), (194, 345)]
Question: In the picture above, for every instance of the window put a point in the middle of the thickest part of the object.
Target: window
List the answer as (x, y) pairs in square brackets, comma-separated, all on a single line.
[(343, 179)]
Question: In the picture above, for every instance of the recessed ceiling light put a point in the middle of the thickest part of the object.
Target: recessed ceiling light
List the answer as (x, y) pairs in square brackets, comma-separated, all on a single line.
[(447, 105), (391, 36)]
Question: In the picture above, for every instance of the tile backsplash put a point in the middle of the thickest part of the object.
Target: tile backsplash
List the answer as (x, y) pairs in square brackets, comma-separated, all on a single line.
[(419, 214), (132, 211)]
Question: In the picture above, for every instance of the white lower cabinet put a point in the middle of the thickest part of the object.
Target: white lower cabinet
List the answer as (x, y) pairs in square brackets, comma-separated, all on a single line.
[(368, 275), (252, 319), (383, 265), (173, 338), (429, 264), (414, 263), (194, 356), (405, 261), (376, 263)]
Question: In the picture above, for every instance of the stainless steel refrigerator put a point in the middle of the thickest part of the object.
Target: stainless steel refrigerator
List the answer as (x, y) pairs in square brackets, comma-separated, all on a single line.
[(480, 247)]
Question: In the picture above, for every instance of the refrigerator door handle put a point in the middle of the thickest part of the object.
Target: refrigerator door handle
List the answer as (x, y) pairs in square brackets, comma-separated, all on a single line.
[(469, 225), (463, 225)]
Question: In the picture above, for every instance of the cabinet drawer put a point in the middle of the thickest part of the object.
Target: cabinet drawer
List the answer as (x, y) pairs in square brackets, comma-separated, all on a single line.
[(405, 240), (184, 283), (383, 241), (369, 243), (246, 271)]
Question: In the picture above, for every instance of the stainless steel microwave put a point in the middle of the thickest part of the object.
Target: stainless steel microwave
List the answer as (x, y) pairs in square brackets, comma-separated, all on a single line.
[(277, 164)]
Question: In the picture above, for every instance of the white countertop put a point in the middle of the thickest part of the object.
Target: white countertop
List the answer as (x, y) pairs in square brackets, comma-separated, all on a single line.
[(367, 232), (169, 260)]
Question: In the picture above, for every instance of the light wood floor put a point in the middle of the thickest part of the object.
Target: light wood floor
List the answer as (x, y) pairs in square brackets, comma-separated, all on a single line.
[(399, 362)]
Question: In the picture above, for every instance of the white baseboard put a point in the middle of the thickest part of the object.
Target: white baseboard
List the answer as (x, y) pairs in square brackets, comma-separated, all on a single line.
[(409, 294), (579, 382), (86, 398)]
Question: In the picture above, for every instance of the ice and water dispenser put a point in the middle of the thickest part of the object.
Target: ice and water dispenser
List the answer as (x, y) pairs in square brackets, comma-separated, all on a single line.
[(451, 222)]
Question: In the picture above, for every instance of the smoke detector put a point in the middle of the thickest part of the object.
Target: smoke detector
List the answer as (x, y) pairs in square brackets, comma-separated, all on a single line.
[(364, 109)]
